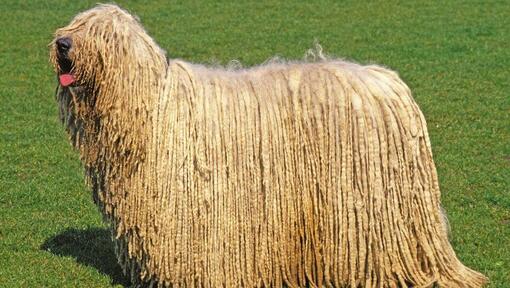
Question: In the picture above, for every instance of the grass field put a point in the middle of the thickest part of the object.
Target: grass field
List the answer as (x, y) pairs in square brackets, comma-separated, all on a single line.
[(453, 54)]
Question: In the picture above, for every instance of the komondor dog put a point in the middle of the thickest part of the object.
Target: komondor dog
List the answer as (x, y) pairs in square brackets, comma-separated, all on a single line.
[(298, 174)]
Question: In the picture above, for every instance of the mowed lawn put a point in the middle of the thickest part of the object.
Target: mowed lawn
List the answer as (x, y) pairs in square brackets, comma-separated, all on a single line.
[(455, 56)]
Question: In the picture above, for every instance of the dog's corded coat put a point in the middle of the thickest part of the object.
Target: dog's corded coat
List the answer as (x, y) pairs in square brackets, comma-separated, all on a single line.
[(292, 173)]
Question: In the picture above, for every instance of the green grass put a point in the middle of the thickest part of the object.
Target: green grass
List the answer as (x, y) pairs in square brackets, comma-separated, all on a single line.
[(453, 54)]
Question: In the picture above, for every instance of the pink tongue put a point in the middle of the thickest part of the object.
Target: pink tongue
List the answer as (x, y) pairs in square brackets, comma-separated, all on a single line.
[(66, 79)]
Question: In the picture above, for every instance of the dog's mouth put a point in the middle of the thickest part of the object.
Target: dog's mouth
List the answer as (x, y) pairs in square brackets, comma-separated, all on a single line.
[(66, 77)]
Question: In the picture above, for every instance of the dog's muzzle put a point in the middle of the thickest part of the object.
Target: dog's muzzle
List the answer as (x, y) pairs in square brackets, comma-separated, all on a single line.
[(64, 44)]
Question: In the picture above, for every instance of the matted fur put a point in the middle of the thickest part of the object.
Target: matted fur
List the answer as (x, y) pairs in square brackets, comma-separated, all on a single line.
[(299, 174)]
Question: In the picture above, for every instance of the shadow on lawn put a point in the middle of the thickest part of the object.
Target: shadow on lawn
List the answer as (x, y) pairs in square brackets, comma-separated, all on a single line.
[(92, 247)]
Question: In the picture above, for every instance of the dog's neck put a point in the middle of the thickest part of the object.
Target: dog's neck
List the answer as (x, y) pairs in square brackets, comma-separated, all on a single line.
[(109, 137)]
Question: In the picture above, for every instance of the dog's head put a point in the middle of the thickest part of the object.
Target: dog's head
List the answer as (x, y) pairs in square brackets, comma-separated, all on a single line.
[(102, 46)]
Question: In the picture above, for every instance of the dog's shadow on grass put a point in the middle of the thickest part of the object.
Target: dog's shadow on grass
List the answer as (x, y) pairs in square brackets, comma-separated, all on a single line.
[(92, 247)]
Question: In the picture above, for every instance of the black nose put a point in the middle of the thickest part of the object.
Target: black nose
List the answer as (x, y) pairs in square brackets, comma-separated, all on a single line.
[(64, 44)]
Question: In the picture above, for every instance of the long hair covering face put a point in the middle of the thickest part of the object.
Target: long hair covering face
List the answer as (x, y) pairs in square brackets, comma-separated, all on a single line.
[(297, 174)]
